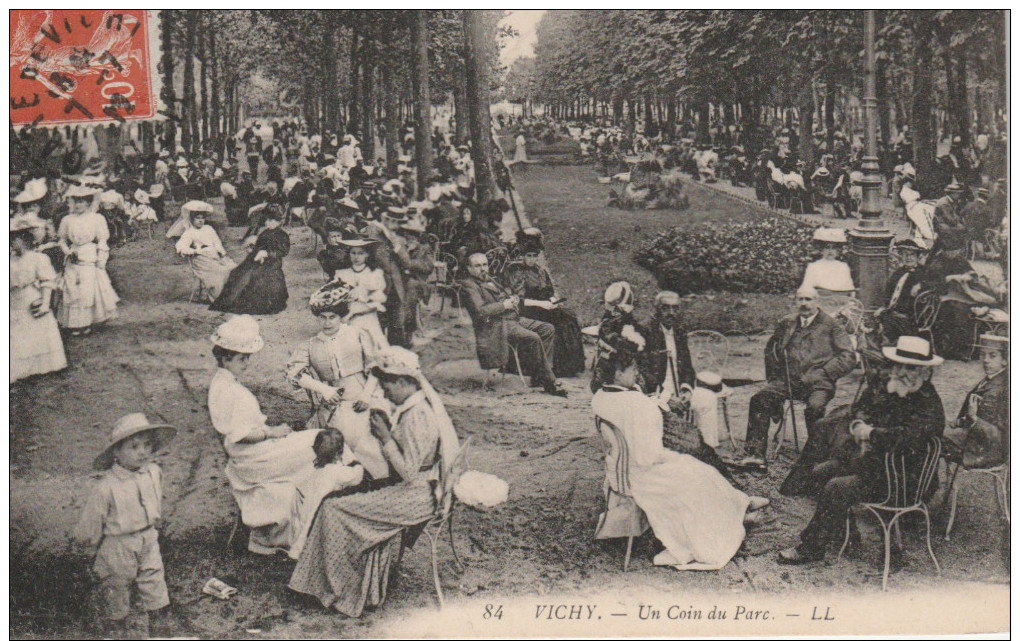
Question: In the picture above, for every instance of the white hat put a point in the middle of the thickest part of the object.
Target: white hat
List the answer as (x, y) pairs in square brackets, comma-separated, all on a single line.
[(81, 191), (908, 169), (912, 350), (807, 291), (398, 361), (195, 206), (156, 190), (109, 197), (34, 190), (829, 235), (142, 196), (239, 334), (620, 294), (822, 171), (712, 381), (163, 153), (128, 426), (350, 203), (181, 162)]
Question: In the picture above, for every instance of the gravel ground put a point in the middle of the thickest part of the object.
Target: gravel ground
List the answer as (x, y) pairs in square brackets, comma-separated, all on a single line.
[(156, 358)]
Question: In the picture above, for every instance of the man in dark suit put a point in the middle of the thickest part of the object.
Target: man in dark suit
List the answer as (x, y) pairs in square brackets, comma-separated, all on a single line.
[(903, 410), (495, 314), (669, 358), (807, 354)]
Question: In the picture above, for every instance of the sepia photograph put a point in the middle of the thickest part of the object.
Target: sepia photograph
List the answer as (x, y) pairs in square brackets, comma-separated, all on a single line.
[(477, 323)]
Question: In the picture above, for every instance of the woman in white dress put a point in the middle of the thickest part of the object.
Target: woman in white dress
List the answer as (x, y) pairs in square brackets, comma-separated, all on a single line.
[(520, 149), (368, 293), (694, 512), (334, 368), (35, 344), (87, 297), (829, 275), (201, 244), (270, 468)]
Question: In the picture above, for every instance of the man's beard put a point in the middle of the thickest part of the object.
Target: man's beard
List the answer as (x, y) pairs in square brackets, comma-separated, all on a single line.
[(903, 387)]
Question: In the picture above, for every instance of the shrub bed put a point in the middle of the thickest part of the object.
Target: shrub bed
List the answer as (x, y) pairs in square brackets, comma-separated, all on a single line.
[(766, 256)]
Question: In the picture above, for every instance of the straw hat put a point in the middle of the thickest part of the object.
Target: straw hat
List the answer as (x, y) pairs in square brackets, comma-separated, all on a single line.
[(141, 196), (398, 214), (993, 341), (620, 294), (239, 334), (127, 427), (358, 241), (197, 206), (912, 350), (20, 223), (81, 191), (954, 187), (398, 361), (909, 244), (829, 235), (34, 190), (181, 163), (712, 381), (413, 225)]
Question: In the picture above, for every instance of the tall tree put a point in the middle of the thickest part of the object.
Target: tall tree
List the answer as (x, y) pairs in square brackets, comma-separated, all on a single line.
[(422, 104), (190, 120), (921, 112), (478, 102), (167, 19)]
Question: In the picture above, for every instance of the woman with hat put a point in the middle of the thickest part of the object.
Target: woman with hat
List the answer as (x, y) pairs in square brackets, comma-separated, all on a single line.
[(269, 468), (87, 297), (368, 286), (897, 314), (694, 512), (142, 212), (334, 368), (356, 540), (828, 274), (534, 285), (35, 342), (201, 245), (257, 285)]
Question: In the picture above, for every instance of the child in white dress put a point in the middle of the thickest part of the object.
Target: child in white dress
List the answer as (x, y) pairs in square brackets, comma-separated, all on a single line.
[(368, 296)]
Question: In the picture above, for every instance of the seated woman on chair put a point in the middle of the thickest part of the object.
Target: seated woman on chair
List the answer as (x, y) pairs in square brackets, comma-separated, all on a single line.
[(356, 539), (201, 244), (694, 512), (829, 275)]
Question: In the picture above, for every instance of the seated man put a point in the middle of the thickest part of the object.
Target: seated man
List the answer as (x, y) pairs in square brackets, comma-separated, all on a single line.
[(981, 431), (903, 410), (498, 323), (807, 354), (669, 357)]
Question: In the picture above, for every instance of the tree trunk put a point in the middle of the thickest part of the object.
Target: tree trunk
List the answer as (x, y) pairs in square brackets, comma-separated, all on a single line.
[(460, 104), (703, 118), (368, 58), (354, 107), (478, 102), (962, 104), (203, 77), (921, 116), (617, 109), (190, 120), (422, 104), (830, 113), (149, 150), (214, 79), (670, 120), (649, 119), (807, 122), (167, 19), (392, 101)]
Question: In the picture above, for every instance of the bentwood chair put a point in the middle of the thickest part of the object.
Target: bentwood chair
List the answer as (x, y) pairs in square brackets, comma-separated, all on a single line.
[(906, 492), (622, 517)]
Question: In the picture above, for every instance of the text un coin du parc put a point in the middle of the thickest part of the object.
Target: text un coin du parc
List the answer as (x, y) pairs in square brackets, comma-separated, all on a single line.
[(586, 612)]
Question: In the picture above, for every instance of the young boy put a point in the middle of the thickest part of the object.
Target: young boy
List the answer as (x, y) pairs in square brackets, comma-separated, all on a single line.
[(118, 524)]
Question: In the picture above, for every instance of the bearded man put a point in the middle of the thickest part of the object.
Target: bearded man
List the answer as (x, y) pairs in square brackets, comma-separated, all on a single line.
[(903, 410)]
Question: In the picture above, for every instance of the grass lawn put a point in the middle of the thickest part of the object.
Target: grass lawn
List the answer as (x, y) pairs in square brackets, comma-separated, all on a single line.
[(589, 245)]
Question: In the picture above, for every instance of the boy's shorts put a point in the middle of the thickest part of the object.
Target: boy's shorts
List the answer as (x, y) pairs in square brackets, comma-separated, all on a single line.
[(131, 559)]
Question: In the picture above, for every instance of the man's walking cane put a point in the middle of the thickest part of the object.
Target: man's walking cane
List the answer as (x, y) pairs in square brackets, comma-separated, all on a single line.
[(789, 398)]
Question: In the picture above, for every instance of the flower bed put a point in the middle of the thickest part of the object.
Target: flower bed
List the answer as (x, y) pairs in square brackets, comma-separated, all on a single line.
[(766, 256)]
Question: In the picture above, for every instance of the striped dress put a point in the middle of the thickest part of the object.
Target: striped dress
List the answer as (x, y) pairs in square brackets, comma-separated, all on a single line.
[(355, 538)]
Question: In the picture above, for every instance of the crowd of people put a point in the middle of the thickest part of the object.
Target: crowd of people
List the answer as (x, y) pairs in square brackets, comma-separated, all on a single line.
[(340, 494)]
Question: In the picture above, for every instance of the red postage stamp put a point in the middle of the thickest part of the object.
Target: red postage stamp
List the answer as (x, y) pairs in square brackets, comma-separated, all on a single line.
[(71, 66)]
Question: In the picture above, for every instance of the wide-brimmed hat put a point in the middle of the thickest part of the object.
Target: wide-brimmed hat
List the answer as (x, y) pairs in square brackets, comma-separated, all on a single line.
[(822, 171), (156, 190), (81, 191), (712, 381), (193, 207), (349, 203), (239, 334), (35, 189), (141, 196), (359, 240), (20, 223), (833, 235), (398, 361), (908, 169), (954, 187), (413, 225), (128, 426), (398, 214), (912, 350), (620, 294), (181, 162), (529, 240), (334, 296)]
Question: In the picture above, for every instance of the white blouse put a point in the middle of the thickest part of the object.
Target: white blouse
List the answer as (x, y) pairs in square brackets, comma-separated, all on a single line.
[(234, 410), (833, 275), (194, 240), (369, 285)]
